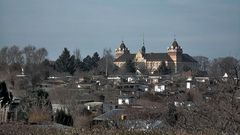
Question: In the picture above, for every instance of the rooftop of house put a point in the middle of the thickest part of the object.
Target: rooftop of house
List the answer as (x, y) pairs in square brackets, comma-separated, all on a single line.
[(111, 115)]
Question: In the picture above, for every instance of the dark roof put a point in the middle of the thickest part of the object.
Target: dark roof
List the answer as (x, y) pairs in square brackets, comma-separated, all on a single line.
[(147, 56), (188, 58), (175, 44), (157, 57), (111, 115), (122, 46), (125, 57)]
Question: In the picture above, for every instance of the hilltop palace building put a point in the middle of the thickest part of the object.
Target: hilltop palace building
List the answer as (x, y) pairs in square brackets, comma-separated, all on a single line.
[(174, 59)]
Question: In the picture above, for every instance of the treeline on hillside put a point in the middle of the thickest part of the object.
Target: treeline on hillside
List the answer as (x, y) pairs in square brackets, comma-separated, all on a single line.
[(38, 67), (15, 58)]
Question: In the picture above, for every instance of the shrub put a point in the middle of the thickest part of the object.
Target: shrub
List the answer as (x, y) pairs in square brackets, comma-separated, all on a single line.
[(35, 107), (63, 118)]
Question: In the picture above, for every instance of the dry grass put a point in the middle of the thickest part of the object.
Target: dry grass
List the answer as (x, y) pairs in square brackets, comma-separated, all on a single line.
[(22, 129), (39, 115), (82, 121)]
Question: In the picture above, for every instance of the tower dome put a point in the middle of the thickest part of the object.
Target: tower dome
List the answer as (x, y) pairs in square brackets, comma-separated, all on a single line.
[(175, 44), (143, 49), (122, 45), (175, 47), (121, 50)]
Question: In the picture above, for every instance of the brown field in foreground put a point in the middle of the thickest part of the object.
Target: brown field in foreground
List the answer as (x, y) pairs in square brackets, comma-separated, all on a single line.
[(57, 129)]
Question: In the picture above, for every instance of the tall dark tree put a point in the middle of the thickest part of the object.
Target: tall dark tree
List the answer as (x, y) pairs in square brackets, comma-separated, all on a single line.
[(79, 65), (95, 59), (65, 62), (71, 65), (87, 63), (4, 94), (130, 66)]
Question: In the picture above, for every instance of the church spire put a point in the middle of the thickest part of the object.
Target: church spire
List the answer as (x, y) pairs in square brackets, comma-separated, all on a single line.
[(143, 40), (143, 49)]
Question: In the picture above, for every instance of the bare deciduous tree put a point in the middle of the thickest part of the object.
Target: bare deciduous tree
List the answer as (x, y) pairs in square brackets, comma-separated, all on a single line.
[(29, 52), (77, 54), (40, 55), (203, 62), (14, 55), (106, 65), (221, 109), (3, 55)]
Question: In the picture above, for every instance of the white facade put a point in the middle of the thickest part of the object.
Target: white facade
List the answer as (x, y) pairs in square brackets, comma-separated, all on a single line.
[(188, 85), (131, 80), (202, 79), (159, 88), (122, 101)]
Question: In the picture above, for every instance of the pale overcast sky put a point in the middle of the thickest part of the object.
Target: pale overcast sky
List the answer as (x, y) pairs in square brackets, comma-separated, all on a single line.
[(202, 27)]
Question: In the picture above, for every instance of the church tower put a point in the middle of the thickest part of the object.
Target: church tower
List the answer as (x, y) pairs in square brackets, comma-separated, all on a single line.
[(143, 49), (121, 50), (175, 52)]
